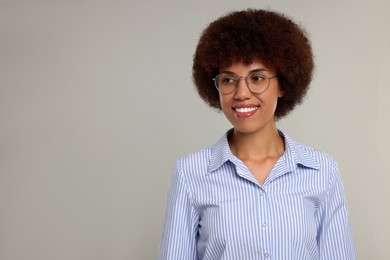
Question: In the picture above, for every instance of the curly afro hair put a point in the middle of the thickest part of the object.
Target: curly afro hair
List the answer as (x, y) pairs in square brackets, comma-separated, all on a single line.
[(251, 35)]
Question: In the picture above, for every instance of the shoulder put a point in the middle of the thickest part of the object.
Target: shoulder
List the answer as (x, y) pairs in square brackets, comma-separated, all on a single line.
[(309, 156), (321, 157), (306, 159), (206, 159), (312, 163), (198, 159)]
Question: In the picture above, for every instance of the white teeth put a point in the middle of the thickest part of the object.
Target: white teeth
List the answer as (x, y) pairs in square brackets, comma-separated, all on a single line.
[(245, 109)]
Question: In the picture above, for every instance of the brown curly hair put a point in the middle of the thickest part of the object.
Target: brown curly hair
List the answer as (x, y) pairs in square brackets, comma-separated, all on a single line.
[(250, 35)]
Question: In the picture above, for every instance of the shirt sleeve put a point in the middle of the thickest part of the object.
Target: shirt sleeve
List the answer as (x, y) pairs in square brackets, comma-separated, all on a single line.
[(335, 236), (178, 239)]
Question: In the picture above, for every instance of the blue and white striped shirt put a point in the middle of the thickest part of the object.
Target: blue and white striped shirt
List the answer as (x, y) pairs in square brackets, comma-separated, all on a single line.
[(217, 210)]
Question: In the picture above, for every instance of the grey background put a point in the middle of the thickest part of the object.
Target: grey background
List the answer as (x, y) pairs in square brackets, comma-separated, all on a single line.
[(97, 103)]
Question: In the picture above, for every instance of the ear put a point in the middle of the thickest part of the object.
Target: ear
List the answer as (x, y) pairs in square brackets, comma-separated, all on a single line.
[(281, 93)]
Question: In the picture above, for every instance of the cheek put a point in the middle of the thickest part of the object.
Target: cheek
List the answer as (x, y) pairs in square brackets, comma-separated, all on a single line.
[(273, 95), (225, 105), (223, 102)]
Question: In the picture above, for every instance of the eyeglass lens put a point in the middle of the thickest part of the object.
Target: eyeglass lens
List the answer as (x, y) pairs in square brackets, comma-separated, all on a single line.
[(257, 82)]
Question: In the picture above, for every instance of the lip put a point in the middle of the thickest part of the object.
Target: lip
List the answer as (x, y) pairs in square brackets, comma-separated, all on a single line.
[(247, 110)]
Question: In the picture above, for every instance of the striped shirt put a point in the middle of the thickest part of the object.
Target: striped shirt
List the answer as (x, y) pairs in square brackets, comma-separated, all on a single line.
[(217, 210)]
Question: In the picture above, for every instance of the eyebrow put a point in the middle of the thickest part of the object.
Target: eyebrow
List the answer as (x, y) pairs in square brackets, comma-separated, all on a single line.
[(255, 70)]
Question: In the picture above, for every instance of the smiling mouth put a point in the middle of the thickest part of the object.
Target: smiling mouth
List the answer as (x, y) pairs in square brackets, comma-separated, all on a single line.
[(245, 109)]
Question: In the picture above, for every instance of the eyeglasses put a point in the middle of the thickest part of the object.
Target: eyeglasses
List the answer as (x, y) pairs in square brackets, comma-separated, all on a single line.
[(257, 82)]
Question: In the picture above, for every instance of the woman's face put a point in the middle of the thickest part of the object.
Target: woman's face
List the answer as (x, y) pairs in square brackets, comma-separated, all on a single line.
[(249, 112)]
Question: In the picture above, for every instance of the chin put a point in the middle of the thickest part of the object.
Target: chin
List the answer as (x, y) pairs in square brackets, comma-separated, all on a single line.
[(247, 130), (254, 128)]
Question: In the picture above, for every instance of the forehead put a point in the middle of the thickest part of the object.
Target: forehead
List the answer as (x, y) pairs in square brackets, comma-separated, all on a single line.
[(239, 67)]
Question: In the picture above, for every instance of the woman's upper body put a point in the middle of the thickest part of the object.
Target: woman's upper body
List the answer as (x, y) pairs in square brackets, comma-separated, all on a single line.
[(217, 209), (256, 194)]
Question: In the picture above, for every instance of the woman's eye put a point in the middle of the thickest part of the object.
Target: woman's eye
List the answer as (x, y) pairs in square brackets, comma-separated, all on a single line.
[(256, 78), (228, 80)]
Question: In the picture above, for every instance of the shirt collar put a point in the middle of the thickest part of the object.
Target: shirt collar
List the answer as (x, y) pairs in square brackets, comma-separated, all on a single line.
[(294, 155), (298, 154), (220, 153)]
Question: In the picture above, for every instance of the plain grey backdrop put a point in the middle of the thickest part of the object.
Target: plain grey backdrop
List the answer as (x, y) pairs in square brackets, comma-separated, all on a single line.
[(97, 103)]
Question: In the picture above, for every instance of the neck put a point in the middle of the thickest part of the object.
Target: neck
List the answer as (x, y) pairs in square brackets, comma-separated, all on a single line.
[(262, 144)]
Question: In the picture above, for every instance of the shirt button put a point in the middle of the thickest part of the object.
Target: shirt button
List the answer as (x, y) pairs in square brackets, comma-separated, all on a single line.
[(264, 224), (266, 254), (261, 193)]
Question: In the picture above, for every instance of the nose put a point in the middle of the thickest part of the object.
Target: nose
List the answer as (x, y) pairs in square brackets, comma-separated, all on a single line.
[(242, 90)]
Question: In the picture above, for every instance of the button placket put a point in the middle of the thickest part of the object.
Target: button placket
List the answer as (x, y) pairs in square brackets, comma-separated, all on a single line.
[(263, 224)]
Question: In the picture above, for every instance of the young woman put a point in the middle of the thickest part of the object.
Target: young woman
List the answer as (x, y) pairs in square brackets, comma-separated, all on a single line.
[(255, 194)]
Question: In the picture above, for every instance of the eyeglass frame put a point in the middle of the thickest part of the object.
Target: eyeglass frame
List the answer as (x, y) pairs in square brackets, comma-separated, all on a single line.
[(246, 81)]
